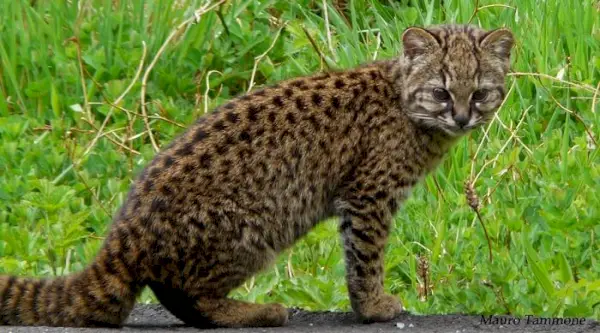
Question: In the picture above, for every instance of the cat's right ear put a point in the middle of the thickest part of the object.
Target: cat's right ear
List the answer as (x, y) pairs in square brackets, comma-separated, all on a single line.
[(499, 42), (417, 41)]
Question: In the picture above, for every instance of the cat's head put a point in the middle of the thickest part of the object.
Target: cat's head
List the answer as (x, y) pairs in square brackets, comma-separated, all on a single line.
[(453, 75)]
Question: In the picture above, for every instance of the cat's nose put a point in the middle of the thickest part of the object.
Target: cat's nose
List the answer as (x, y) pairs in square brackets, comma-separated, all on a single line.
[(461, 120)]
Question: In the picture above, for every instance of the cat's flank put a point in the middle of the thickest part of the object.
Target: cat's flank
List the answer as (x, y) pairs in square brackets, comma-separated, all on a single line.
[(248, 180)]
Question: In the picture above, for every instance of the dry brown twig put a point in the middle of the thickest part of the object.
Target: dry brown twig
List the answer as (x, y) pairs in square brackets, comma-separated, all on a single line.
[(167, 120), (341, 6), (478, 9), (131, 113), (578, 117), (513, 134), (470, 192), (581, 86), (571, 112), (439, 188), (259, 58), (474, 203), (94, 194), (89, 120), (491, 191), (487, 129), (289, 266), (423, 272), (115, 106), (518, 139), (208, 88), (316, 47), (327, 27), (86, 102), (248, 285), (499, 295), (132, 151), (378, 46), (195, 18), (118, 100)]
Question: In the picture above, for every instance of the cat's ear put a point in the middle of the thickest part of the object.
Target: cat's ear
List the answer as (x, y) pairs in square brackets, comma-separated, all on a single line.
[(498, 42), (417, 41)]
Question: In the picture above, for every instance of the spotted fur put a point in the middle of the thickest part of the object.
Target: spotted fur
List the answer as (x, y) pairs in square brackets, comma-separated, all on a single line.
[(247, 181)]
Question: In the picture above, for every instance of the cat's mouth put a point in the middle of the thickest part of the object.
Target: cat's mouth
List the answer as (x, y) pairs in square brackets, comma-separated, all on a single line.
[(451, 127)]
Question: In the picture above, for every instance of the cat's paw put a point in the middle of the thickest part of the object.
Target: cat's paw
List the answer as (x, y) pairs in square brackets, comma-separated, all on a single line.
[(272, 315), (383, 308)]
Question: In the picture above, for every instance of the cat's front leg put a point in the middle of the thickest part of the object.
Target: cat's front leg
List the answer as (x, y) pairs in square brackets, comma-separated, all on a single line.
[(366, 217)]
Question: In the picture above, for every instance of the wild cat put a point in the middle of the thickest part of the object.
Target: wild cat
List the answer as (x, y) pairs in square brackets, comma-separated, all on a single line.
[(246, 181)]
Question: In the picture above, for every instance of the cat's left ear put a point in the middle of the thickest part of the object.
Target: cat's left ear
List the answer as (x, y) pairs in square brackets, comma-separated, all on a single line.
[(417, 41), (499, 42)]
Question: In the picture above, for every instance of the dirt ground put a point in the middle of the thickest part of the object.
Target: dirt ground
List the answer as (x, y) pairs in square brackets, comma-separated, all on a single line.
[(154, 318)]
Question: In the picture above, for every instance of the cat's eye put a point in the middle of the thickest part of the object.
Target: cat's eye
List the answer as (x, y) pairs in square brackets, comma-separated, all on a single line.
[(479, 95), (441, 94)]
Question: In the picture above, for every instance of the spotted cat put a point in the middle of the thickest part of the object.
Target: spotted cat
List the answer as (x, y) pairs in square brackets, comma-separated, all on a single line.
[(247, 181)]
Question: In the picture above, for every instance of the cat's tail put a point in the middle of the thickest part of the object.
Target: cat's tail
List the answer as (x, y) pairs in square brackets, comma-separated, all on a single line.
[(101, 295)]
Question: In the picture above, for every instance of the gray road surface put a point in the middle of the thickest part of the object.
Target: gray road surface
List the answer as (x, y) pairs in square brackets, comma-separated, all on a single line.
[(155, 319)]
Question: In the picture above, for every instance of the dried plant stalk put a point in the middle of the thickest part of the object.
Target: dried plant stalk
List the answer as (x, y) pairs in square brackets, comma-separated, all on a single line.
[(475, 204)]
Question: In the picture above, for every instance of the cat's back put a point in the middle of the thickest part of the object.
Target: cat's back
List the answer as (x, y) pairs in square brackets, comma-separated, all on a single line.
[(306, 130)]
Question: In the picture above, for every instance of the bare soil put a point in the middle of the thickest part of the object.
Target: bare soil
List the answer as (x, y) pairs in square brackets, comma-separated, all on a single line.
[(155, 319)]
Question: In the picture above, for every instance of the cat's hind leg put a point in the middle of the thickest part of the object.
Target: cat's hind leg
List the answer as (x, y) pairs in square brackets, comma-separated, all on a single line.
[(205, 312)]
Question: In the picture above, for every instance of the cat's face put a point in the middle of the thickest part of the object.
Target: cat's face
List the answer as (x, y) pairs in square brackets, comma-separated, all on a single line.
[(453, 76)]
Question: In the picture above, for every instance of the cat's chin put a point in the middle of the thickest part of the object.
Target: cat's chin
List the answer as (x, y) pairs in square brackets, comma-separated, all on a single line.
[(440, 130), (455, 133)]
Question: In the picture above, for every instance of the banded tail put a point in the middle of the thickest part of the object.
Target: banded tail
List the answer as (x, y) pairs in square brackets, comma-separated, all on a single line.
[(102, 295)]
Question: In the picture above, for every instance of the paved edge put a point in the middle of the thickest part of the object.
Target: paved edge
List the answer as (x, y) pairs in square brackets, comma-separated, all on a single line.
[(154, 318)]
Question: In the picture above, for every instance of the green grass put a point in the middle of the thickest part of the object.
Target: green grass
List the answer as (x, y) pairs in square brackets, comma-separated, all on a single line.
[(539, 169)]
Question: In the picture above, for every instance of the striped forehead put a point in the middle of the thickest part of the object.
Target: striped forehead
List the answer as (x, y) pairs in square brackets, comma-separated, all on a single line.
[(460, 48)]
